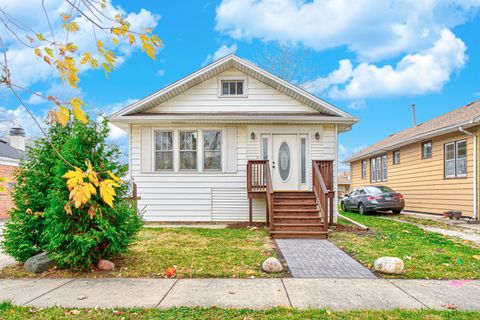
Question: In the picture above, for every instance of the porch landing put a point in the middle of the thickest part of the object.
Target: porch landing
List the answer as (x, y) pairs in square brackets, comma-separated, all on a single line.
[(313, 258)]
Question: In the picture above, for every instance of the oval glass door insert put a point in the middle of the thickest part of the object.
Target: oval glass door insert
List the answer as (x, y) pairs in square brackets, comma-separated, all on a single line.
[(284, 161)]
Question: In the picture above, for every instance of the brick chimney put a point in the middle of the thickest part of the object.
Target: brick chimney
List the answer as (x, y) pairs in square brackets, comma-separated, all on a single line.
[(17, 138)]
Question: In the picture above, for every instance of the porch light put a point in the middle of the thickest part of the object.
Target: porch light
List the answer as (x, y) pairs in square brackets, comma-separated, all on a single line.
[(317, 136), (252, 135)]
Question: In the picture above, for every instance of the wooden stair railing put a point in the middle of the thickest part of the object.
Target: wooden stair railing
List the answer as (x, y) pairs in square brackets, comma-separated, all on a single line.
[(322, 180), (259, 184)]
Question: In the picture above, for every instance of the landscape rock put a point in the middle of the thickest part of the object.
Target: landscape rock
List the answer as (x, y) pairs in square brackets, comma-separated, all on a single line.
[(39, 263), (389, 265), (106, 265), (272, 265)]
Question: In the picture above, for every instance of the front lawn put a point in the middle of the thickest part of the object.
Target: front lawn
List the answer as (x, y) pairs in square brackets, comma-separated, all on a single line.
[(9, 312), (195, 252), (426, 255)]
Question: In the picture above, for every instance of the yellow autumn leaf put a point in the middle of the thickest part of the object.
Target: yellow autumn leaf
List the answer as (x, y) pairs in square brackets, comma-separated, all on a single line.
[(91, 174), (65, 17), (77, 110), (476, 257), (38, 52), (40, 36), (80, 195), (75, 177), (110, 58), (47, 60), (114, 40), (63, 115), (71, 26), (114, 177), (67, 208), (107, 191), (131, 39), (156, 41), (107, 68), (49, 51)]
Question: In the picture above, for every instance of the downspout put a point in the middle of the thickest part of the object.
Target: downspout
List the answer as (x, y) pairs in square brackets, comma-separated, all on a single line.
[(475, 172)]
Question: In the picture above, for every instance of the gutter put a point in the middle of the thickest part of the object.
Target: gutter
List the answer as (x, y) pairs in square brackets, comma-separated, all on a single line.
[(475, 172), (414, 139)]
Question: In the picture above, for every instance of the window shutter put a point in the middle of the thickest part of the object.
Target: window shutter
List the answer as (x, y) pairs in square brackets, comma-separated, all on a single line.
[(146, 149), (231, 154)]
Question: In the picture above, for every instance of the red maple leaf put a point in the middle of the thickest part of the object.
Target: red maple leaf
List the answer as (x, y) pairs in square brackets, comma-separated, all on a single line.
[(170, 272)]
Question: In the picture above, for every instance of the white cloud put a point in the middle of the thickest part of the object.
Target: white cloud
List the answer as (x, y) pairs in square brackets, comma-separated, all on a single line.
[(20, 118), (35, 99), (220, 53), (28, 69), (374, 29), (116, 134), (345, 152), (415, 74), (161, 73)]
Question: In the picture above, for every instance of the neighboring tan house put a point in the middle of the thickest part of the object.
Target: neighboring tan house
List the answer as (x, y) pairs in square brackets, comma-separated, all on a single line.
[(11, 152), (199, 148), (434, 164), (343, 184)]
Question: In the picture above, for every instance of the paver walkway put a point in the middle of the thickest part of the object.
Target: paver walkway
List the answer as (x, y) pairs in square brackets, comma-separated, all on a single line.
[(312, 258), (337, 294)]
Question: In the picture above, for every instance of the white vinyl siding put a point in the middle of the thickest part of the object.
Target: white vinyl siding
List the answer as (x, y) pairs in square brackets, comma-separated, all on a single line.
[(216, 196), (205, 97)]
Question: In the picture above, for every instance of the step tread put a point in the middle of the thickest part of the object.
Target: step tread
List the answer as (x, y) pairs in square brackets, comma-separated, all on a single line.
[(295, 210), (297, 232), (283, 224), (296, 217)]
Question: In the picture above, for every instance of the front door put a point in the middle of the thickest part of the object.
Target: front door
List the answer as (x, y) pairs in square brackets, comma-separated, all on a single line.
[(285, 161)]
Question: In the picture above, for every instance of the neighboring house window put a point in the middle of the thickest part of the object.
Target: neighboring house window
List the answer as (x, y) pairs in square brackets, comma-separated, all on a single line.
[(455, 159), (378, 169), (396, 157), (163, 150), (188, 150), (232, 88), (212, 150), (384, 168), (364, 169), (427, 150), (373, 171), (303, 160)]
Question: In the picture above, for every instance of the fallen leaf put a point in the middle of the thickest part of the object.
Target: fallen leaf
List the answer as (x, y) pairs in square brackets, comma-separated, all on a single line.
[(476, 257), (170, 272), (449, 306), (82, 297)]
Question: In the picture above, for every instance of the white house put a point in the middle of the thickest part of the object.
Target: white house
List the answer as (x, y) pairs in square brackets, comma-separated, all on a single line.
[(190, 142)]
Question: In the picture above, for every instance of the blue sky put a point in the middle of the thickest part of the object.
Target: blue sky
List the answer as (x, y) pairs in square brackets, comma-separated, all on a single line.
[(371, 58)]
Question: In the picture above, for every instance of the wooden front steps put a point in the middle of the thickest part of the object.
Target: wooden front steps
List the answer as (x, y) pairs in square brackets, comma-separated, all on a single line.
[(296, 216)]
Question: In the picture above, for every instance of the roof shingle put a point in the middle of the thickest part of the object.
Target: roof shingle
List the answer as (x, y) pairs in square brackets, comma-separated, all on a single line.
[(459, 116)]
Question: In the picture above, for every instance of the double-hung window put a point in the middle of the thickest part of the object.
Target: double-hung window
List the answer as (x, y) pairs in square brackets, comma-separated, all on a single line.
[(396, 157), (455, 159), (426, 149), (378, 168), (364, 169), (212, 150), (163, 150), (188, 150)]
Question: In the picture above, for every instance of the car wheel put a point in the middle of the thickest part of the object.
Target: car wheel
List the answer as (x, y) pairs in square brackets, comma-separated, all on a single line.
[(397, 211), (344, 208), (361, 208)]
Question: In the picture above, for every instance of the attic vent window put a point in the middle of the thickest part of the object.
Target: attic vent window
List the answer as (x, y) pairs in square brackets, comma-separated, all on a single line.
[(232, 88)]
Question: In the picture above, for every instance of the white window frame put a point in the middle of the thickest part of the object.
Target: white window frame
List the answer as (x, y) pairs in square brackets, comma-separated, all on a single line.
[(455, 159), (233, 78), (176, 150), (222, 153), (377, 168), (364, 169), (155, 151), (393, 156)]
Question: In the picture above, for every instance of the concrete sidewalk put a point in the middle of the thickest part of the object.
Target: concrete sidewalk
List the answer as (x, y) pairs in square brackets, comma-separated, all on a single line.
[(337, 294)]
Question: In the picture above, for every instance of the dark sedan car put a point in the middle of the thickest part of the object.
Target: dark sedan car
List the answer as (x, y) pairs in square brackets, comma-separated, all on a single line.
[(373, 198)]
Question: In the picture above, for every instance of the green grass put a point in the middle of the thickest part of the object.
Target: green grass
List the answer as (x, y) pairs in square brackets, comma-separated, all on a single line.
[(9, 312), (195, 252), (426, 255)]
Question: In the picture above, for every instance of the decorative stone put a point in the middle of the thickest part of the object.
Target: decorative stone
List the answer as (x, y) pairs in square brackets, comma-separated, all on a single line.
[(39, 263), (389, 265), (272, 265), (106, 265)]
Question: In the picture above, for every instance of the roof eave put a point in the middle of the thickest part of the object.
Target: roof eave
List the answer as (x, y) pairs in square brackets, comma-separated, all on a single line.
[(411, 140)]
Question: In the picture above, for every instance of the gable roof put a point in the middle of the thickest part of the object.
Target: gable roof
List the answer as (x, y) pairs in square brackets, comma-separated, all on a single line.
[(466, 116), (221, 65), (7, 151)]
